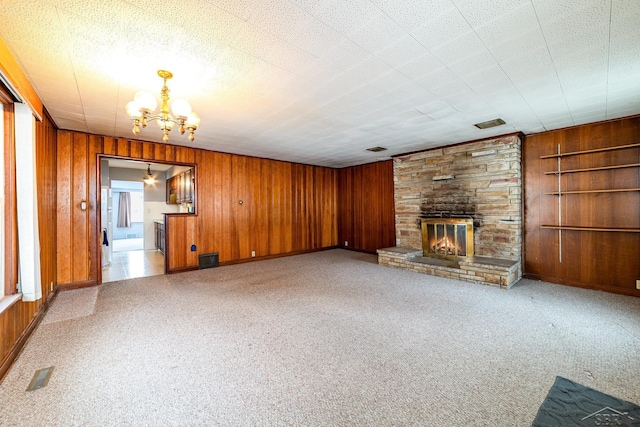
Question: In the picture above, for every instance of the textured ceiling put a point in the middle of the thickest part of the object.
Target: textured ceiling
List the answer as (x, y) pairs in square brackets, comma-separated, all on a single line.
[(320, 81)]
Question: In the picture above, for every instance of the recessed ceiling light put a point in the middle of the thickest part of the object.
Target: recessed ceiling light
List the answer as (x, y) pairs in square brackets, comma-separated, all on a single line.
[(376, 149), (490, 124)]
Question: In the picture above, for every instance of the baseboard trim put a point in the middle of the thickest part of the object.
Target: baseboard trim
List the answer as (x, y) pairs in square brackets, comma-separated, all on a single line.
[(286, 254), (181, 270), (364, 251), (577, 284), (19, 345), (77, 285)]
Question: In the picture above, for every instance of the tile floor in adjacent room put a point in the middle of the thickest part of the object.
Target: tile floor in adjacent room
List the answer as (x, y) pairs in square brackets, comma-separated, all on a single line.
[(132, 264)]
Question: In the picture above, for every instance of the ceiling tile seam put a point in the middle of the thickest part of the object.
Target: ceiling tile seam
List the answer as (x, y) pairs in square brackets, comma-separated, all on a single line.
[(114, 126), (65, 33), (444, 66), (606, 105), (553, 62), (407, 33), (248, 24), (354, 30), (499, 65), (233, 14)]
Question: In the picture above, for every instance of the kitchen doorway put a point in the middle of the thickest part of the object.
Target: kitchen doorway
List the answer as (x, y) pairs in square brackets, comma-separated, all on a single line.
[(130, 212)]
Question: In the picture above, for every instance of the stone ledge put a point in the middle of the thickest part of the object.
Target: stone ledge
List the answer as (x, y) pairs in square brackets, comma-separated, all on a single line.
[(491, 271), (400, 251)]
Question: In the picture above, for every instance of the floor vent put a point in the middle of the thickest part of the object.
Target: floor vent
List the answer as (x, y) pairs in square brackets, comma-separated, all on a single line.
[(40, 379), (208, 260)]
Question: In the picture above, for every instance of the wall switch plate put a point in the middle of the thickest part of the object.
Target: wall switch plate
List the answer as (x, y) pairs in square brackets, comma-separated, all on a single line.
[(346, 243), (51, 286), (193, 248), (253, 253), (638, 284)]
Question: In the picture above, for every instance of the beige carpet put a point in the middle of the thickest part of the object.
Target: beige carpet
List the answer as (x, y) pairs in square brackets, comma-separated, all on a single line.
[(324, 339), (72, 305)]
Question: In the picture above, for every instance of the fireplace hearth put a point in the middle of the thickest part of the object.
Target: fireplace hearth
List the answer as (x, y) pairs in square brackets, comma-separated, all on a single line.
[(447, 237), (468, 227)]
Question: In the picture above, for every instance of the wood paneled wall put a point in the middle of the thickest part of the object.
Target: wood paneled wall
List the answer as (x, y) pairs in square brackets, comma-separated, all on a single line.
[(606, 260), (366, 207), (21, 317), (46, 152), (286, 208)]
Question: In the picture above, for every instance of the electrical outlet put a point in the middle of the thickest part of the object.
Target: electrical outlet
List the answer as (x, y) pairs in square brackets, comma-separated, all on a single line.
[(346, 243), (253, 253), (638, 284), (51, 286)]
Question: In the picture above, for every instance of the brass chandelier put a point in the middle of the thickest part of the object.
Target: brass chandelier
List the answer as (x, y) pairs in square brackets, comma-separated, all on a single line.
[(140, 110)]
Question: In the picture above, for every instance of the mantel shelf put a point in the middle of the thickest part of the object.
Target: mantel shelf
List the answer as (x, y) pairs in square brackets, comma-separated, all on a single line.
[(613, 190), (595, 150), (580, 228), (601, 168)]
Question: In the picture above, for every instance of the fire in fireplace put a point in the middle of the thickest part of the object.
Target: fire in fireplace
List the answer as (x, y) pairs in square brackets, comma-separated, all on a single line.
[(447, 237)]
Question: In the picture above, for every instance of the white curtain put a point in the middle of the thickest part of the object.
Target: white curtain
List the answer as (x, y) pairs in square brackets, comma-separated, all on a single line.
[(124, 210), (27, 199)]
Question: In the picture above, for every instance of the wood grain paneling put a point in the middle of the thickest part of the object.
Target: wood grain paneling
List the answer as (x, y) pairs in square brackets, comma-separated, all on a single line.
[(366, 206), (286, 207), (46, 171), (594, 259)]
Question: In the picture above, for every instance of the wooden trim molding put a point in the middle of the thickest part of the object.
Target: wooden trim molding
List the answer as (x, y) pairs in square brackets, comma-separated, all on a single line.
[(10, 209), (18, 80), (262, 258), (77, 285)]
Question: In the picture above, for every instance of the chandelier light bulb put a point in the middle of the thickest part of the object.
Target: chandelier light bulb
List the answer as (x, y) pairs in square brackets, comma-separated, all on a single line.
[(145, 100), (181, 108), (193, 120), (133, 109)]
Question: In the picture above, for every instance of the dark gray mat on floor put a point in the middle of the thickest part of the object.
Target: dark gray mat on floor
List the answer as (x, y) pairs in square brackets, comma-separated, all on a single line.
[(572, 404)]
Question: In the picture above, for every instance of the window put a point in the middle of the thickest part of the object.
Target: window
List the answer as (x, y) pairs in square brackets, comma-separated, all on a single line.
[(137, 206)]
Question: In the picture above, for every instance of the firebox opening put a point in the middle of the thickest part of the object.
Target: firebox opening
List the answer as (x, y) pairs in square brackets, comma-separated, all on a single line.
[(447, 237)]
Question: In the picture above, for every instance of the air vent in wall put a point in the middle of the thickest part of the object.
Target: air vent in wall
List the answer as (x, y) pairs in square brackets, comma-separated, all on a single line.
[(376, 149), (208, 260)]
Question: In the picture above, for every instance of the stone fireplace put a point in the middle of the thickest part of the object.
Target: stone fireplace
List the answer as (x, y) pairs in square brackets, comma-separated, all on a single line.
[(477, 183)]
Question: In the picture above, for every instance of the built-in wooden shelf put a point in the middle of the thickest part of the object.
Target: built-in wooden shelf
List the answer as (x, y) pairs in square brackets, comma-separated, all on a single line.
[(579, 228), (595, 150), (601, 168), (613, 190)]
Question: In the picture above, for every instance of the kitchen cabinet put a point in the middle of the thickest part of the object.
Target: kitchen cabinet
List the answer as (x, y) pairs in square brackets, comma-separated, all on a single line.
[(159, 236), (172, 191), (181, 188)]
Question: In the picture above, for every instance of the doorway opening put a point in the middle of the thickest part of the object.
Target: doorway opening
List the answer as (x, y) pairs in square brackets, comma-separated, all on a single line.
[(127, 215), (131, 211)]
